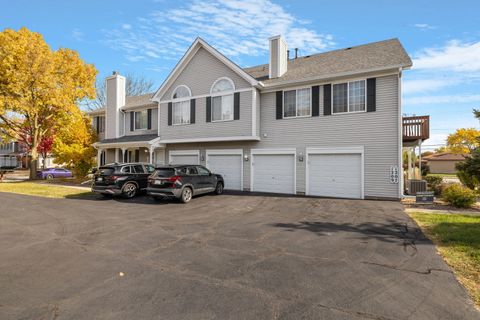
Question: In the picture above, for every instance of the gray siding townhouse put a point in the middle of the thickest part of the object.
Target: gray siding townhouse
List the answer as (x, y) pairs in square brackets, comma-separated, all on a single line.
[(327, 124)]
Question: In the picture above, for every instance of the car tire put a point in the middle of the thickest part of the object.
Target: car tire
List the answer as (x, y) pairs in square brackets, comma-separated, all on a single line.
[(49, 176), (129, 190), (187, 194), (219, 188)]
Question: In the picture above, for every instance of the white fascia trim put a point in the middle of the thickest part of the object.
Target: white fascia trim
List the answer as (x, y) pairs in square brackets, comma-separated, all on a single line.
[(336, 150), (145, 144), (140, 107), (400, 136), (329, 77), (274, 151), (236, 138), (224, 151), (199, 42), (207, 95), (184, 152)]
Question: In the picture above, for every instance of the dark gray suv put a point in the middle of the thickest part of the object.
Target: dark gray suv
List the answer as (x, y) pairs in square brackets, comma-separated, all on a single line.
[(183, 182)]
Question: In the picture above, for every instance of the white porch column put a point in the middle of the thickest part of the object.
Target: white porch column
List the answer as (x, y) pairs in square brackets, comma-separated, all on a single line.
[(151, 149), (409, 175), (123, 155), (116, 154), (99, 157), (420, 157)]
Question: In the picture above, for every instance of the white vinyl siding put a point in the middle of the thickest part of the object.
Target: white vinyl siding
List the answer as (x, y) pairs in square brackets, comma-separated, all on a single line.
[(181, 112), (141, 120), (349, 97), (297, 103)]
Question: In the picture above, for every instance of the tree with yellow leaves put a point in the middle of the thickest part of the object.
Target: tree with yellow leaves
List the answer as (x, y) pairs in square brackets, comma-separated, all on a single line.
[(464, 140), (39, 87), (73, 144)]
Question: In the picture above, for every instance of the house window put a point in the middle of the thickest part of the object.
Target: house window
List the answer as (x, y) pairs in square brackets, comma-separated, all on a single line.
[(99, 124), (297, 103), (349, 97), (222, 100), (141, 120), (181, 105)]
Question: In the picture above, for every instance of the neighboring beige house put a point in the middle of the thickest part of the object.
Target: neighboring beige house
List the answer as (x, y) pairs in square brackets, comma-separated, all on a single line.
[(326, 124), (444, 162)]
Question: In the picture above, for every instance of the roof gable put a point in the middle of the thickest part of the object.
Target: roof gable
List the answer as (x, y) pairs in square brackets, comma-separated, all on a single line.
[(187, 57)]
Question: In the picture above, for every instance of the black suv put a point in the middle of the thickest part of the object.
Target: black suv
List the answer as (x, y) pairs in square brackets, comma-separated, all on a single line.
[(125, 179), (183, 182)]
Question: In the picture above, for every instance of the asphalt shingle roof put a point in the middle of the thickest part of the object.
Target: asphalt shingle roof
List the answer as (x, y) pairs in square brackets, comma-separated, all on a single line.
[(135, 138), (445, 157)]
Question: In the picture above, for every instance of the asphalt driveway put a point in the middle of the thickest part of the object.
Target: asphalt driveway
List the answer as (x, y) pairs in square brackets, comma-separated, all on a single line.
[(220, 257)]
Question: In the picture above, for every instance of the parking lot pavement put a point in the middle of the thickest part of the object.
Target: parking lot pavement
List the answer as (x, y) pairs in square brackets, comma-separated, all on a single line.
[(236, 256)]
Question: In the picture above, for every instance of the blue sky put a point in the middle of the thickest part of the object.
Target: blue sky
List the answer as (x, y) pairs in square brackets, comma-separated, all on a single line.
[(148, 37)]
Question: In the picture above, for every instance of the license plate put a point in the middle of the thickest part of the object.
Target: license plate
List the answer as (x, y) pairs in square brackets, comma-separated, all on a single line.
[(99, 179), (158, 182)]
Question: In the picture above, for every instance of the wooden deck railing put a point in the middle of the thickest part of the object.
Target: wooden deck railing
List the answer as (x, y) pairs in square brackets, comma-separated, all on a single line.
[(415, 128)]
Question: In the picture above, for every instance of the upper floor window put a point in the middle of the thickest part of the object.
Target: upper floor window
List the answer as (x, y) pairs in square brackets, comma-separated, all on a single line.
[(99, 124), (297, 103), (349, 97), (222, 100), (181, 105), (141, 119)]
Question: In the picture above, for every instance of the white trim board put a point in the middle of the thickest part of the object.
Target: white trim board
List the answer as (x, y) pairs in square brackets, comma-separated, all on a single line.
[(278, 151), (239, 152), (214, 139), (336, 150)]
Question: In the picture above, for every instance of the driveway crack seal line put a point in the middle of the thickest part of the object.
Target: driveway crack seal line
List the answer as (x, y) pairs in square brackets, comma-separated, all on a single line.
[(428, 271)]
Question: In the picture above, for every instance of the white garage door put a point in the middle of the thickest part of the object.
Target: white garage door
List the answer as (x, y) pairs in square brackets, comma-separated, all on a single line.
[(184, 159), (335, 175), (229, 166), (274, 173)]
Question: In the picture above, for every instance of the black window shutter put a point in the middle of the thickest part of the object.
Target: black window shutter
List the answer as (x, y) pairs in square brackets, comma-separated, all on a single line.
[(169, 113), (315, 101), (327, 99), (192, 110), (97, 119), (137, 155), (279, 104), (236, 106), (132, 119), (371, 94), (209, 109), (149, 119)]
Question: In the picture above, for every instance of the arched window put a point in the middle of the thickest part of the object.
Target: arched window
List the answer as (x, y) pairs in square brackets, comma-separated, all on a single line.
[(222, 99), (181, 105)]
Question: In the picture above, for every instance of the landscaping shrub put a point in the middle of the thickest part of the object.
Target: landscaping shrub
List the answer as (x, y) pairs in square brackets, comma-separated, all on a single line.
[(435, 183), (467, 179), (459, 196)]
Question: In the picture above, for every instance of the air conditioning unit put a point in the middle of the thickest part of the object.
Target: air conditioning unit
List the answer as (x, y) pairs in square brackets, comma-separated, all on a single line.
[(414, 186)]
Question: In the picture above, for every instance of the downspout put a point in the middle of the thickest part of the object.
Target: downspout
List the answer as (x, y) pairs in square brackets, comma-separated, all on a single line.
[(400, 135)]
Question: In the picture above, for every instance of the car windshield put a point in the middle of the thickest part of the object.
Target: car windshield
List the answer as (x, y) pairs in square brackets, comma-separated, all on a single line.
[(164, 172), (106, 171)]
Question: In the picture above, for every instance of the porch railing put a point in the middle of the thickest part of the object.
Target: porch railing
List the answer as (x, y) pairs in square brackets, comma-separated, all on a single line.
[(416, 128)]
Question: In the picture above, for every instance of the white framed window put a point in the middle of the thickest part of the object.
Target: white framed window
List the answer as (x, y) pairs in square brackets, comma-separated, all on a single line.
[(349, 97), (222, 99), (181, 105), (99, 124), (297, 103), (141, 120)]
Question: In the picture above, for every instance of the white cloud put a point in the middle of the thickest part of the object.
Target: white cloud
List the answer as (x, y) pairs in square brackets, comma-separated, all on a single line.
[(77, 34), (126, 26), (234, 27), (423, 26), (442, 99), (424, 85), (455, 56)]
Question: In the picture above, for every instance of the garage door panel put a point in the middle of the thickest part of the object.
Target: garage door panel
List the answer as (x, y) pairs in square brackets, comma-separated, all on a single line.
[(183, 159), (274, 173), (335, 175), (230, 167)]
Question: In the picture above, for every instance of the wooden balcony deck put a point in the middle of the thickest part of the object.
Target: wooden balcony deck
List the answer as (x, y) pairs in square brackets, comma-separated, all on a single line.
[(416, 128)]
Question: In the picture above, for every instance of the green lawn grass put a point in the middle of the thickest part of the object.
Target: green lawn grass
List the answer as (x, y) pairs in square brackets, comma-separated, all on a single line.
[(41, 189), (458, 240)]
